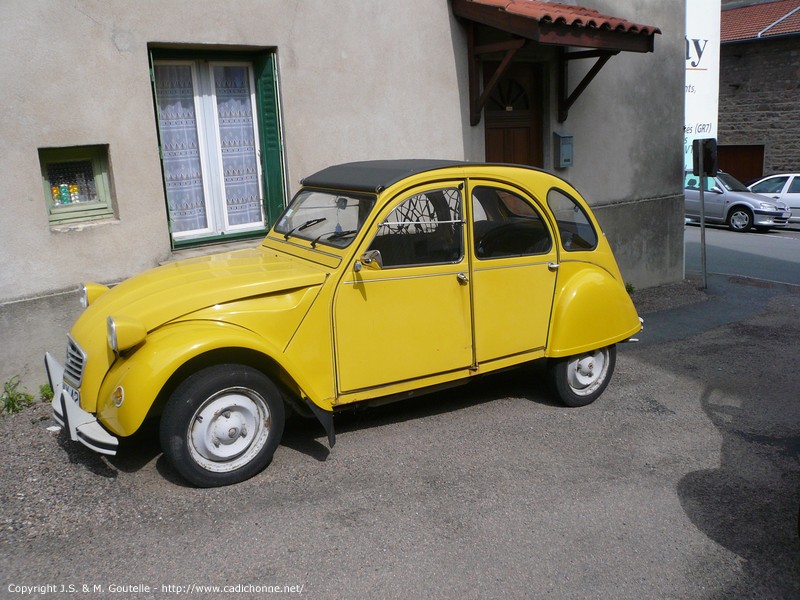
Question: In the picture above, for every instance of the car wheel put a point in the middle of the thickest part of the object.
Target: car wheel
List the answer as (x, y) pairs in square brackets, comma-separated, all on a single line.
[(579, 380), (222, 425), (740, 219)]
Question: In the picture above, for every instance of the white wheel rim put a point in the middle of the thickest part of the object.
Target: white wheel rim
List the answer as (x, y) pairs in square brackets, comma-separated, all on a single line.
[(587, 372), (229, 429)]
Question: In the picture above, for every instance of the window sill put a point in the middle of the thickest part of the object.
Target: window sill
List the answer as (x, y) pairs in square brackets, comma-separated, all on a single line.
[(82, 225), (212, 249)]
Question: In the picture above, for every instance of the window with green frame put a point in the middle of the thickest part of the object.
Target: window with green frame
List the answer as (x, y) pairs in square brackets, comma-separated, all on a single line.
[(219, 134), (76, 183)]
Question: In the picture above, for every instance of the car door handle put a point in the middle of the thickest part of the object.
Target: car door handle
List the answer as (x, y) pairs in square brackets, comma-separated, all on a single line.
[(553, 266), (462, 279)]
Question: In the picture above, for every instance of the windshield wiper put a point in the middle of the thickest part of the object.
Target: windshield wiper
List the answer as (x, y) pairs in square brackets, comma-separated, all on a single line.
[(306, 225), (334, 235)]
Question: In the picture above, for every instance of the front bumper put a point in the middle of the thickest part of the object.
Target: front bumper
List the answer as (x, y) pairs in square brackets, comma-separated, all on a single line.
[(770, 218), (82, 426)]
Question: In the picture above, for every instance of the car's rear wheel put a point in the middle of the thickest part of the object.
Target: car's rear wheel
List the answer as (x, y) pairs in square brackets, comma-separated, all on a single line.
[(222, 425), (740, 219), (579, 380)]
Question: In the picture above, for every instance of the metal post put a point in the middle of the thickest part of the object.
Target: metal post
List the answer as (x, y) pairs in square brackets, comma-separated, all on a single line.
[(702, 219)]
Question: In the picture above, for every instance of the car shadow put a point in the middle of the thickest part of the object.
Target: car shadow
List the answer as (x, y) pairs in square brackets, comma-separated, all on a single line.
[(305, 435)]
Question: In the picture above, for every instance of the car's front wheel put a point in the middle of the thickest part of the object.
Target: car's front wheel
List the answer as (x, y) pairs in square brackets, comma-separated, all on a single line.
[(740, 219), (579, 380), (222, 425)]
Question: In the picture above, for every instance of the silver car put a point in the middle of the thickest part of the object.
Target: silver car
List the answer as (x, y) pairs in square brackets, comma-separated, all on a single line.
[(784, 187), (729, 202)]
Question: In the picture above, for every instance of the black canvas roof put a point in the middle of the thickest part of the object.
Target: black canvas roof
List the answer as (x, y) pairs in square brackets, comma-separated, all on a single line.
[(373, 175)]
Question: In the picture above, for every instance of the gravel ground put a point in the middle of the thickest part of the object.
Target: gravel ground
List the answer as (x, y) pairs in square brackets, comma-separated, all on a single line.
[(45, 495), (664, 297)]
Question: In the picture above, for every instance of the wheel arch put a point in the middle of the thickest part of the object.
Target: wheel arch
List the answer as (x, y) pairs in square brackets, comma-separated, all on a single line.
[(735, 205), (238, 355), (152, 372)]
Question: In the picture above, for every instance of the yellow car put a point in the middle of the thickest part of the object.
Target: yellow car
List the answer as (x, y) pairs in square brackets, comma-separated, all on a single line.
[(380, 280)]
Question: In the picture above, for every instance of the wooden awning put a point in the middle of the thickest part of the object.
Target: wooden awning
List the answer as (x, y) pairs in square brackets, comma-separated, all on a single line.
[(550, 24)]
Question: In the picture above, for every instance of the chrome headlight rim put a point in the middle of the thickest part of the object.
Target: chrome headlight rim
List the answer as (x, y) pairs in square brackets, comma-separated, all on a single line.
[(111, 331), (124, 333)]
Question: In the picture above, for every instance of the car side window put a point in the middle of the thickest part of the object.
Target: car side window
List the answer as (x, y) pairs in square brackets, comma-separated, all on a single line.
[(774, 185), (795, 187), (692, 182), (574, 227), (424, 229), (505, 224)]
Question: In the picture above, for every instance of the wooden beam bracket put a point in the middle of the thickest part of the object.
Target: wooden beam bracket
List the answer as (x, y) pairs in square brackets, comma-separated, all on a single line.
[(478, 98), (566, 99)]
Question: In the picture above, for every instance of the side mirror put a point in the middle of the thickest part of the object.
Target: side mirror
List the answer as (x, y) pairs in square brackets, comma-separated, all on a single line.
[(371, 259), (716, 189)]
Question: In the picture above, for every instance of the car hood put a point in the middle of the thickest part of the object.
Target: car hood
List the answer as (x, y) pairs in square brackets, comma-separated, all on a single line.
[(755, 199), (171, 291)]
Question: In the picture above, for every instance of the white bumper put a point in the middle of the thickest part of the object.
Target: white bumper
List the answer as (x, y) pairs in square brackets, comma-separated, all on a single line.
[(82, 426)]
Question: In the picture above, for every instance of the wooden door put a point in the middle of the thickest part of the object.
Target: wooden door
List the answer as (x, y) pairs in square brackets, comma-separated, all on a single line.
[(745, 162), (513, 115)]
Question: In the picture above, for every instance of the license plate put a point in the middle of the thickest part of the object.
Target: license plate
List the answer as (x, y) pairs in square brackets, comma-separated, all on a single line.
[(73, 393)]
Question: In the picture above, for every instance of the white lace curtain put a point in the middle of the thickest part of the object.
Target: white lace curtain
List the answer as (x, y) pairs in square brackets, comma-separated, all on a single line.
[(232, 149)]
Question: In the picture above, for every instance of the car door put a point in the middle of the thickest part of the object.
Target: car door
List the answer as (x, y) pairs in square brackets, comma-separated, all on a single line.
[(782, 188), (514, 269), (792, 197), (691, 193), (715, 199), (774, 187), (404, 312)]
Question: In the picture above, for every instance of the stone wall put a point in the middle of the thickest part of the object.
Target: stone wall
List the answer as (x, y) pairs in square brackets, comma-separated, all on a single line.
[(759, 99)]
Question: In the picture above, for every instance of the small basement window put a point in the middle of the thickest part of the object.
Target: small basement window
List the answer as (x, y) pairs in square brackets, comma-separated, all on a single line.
[(76, 183)]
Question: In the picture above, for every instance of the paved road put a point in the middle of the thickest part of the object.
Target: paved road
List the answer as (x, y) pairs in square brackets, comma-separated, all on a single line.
[(774, 256), (682, 481)]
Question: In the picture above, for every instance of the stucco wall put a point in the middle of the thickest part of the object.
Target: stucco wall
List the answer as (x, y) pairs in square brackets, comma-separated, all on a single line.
[(759, 99)]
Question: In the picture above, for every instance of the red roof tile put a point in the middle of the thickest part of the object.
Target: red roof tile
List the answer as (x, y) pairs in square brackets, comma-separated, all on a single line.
[(575, 16), (760, 21)]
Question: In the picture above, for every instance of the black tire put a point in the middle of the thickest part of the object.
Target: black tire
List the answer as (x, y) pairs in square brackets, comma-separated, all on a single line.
[(740, 219), (222, 425), (579, 380)]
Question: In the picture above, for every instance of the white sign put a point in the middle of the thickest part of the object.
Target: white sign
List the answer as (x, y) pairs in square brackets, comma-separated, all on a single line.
[(702, 73)]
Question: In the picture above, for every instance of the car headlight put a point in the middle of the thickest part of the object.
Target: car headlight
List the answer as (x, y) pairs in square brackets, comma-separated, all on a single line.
[(768, 206), (91, 292), (124, 333)]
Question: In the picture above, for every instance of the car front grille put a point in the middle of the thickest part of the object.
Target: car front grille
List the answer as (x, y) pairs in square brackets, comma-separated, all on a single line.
[(76, 360)]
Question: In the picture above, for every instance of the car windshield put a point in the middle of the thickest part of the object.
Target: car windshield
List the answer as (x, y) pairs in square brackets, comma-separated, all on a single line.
[(325, 217), (731, 183)]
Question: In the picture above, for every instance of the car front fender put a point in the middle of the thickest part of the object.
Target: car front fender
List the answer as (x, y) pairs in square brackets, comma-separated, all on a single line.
[(137, 379), (591, 309)]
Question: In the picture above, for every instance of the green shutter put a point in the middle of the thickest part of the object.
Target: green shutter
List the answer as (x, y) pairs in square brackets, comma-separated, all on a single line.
[(270, 133)]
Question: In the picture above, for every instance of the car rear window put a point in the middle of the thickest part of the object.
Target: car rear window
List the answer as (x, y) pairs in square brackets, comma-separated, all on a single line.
[(574, 227)]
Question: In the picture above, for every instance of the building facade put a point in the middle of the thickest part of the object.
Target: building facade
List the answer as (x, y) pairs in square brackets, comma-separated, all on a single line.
[(759, 89), (141, 133)]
